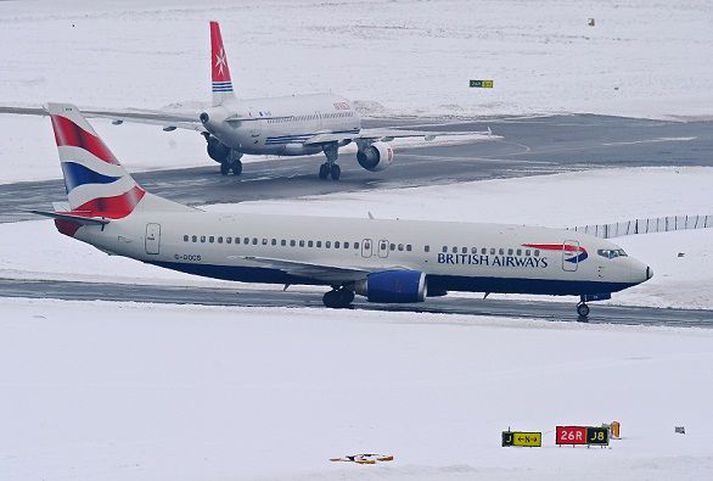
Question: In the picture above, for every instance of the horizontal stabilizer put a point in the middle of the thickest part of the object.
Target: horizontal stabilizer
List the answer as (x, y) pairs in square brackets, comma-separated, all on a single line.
[(71, 217)]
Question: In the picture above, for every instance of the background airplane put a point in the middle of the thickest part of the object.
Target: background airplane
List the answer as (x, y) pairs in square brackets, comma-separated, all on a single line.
[(387, 261), (286, 126)]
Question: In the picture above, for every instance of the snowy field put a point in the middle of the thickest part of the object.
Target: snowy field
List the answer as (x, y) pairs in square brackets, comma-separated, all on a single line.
[(145, 392), (395, 57), (613, 195)]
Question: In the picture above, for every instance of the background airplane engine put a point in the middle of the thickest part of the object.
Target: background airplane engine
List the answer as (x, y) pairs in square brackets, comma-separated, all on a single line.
[(217, 150), (394, 286), (377, 156)]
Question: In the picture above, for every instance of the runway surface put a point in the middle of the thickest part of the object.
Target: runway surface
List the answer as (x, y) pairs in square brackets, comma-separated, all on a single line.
[(529, 146), (543, 310)]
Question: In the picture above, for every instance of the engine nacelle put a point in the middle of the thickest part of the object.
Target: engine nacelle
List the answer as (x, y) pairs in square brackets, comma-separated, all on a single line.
[(376, 156), (216, 149), (394, 286)]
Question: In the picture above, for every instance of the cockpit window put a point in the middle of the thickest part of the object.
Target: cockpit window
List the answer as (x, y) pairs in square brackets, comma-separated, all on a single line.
[(611, 253)]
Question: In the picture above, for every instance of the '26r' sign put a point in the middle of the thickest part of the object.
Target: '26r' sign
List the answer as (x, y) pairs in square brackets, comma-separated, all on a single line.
[(584, 435)]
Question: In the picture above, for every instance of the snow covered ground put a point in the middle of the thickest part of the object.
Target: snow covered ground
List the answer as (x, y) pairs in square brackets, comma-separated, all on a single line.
[(404, 57), (146, 392), (613, 195)]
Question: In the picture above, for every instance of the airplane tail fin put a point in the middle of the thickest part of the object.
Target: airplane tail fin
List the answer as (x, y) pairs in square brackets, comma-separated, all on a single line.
[(220, 73), (96, 183)]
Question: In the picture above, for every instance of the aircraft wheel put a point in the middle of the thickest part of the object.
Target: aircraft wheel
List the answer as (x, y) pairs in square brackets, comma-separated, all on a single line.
[(335, 171), (582, 311), (224, 167), (237, 167), (323, 171)]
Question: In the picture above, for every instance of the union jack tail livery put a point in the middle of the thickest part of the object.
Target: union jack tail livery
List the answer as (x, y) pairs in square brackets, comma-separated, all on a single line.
[(97, 185), (220, 73)]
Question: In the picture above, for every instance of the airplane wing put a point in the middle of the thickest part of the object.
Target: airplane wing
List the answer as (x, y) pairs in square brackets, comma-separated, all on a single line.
[(387, 135), (167, 120), (320, 272)]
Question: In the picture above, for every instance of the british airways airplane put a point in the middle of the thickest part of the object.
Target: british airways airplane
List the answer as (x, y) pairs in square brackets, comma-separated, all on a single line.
[(286, 126), (387, 261)]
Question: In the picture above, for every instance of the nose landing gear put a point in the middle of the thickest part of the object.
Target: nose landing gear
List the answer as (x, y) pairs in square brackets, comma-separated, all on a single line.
[(583, 311)]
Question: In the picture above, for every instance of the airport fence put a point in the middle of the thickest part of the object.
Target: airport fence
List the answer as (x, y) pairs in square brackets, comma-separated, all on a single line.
[(647, 226)]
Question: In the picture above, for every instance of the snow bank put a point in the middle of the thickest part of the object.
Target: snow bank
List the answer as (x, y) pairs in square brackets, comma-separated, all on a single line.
[(147, 392)]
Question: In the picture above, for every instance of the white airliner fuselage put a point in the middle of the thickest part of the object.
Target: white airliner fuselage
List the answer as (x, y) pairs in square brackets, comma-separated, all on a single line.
[(281, 125)]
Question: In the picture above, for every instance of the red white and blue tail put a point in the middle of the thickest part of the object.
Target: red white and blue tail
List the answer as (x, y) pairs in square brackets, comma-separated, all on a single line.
[(222, 86), (97, 185)]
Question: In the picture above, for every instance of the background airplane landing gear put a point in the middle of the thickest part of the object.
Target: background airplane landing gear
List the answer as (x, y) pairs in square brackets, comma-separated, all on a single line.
[(324, 171), (330, 167), (338, 298), (226, 166)]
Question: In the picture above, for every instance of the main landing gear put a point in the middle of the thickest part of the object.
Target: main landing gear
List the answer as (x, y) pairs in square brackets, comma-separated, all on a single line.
[(330, 167), (229, 159), (338, 298), (232, 163)]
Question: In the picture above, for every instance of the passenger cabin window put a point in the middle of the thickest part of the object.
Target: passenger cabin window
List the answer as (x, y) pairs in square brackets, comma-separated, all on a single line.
[(283, 242), (356, 245), (464, 250), (400, 247), (220, 239), (510, 251), (444, 249), (254, 241), (310, 243), (292, 243), (202, 238), (302, 243), (228, 240), (474, 250), (273, 242), (427, 248), (336, 244), (455, 250), (185, 238), (194, 238)]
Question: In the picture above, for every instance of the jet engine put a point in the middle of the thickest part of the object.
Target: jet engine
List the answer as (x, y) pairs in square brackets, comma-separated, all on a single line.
[(216, 149), (393, 286), (376, 157)]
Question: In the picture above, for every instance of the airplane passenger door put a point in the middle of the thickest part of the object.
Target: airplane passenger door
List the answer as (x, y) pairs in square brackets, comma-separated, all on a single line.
[(366, 248), (570, 255), (383, 248), (153, 238)]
